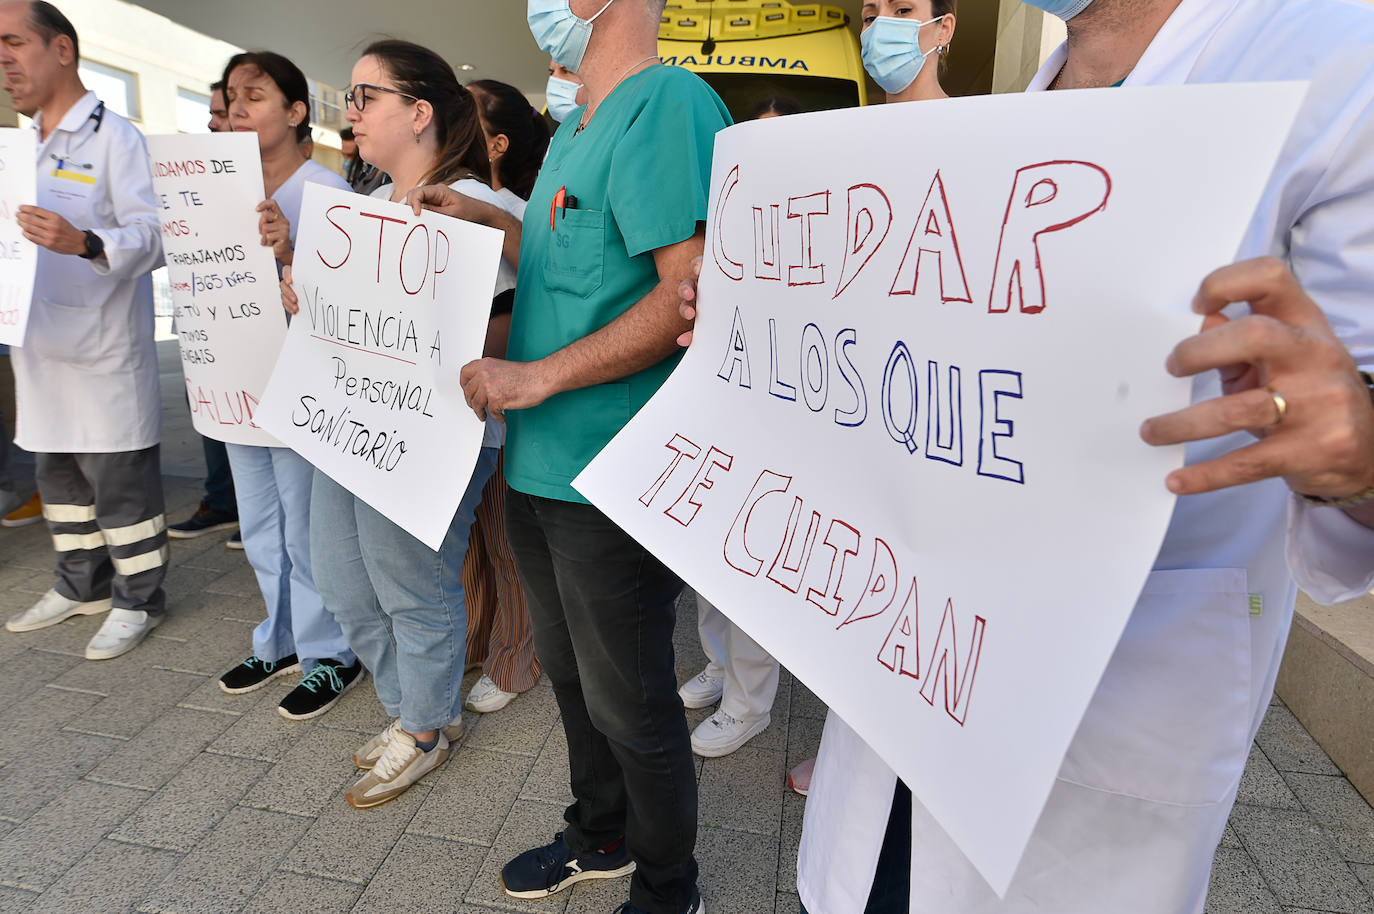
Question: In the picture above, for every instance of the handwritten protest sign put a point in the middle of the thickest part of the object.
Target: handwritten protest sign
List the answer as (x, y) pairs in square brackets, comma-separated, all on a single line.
[(392, 307), (18, 256), (902, 452), (225, 299)]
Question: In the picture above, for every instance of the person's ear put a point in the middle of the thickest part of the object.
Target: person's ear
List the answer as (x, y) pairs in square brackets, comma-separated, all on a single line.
[(299, 113), (423, 117), (498, 146), (66, 51), (946, 30)]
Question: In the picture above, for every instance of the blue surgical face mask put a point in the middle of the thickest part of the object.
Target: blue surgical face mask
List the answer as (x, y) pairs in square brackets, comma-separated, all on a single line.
[(892, 51), (561, 95), (559, 33), (1064, 9)]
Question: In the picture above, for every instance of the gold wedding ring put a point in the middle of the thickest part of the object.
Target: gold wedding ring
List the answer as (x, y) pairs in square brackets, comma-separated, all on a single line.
[(1280, 404)]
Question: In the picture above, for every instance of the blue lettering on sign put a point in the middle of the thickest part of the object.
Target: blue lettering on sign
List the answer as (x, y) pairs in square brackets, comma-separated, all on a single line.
[(773, 63)]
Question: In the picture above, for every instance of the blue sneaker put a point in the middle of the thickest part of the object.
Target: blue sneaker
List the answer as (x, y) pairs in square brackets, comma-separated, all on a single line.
[(696, 907), (542, 871)]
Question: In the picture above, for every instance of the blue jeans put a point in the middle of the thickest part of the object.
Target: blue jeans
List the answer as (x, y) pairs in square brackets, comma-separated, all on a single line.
[(400, 603), (891, 892), (274, 514)]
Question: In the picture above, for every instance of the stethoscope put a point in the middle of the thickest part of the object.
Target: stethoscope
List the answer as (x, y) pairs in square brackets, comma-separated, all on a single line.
[(98, 115)]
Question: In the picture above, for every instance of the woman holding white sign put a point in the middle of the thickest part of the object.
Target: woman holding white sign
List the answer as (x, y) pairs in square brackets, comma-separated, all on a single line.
[(269, 95), (400, 603)]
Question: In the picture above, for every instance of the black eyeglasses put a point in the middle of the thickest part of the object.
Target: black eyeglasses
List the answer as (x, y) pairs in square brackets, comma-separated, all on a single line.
[(357, 96)]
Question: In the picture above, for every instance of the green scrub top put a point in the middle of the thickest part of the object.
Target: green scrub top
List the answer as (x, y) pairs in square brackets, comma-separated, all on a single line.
[(640, 174)]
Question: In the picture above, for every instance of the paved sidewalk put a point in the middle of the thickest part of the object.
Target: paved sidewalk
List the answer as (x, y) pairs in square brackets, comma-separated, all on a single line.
[(136, 785)]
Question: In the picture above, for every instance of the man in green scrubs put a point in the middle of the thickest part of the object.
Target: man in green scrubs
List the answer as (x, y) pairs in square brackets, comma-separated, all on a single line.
[(612, 225)]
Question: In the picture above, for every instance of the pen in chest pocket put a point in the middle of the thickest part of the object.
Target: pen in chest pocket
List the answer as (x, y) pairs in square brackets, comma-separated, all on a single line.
[(562, 202)]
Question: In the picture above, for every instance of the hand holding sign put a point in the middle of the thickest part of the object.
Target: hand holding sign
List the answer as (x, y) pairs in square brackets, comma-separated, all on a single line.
[(289, 300), (50, 230), (276, 230), (687, 300), (1323, 441)]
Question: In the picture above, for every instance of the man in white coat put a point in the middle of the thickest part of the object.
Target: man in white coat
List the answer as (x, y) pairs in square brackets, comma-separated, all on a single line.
[(86, 377), (1144, 793)]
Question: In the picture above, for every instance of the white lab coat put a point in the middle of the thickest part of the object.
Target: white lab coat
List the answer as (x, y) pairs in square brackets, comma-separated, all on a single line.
[(86, 378), (1145, 790)]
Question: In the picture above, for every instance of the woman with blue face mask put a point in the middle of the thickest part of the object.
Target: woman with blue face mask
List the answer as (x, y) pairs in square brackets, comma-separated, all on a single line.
[(904, 43)]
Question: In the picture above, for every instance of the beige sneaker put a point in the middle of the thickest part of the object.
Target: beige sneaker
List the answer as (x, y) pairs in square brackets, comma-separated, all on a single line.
[(402, 763), (370, 751)]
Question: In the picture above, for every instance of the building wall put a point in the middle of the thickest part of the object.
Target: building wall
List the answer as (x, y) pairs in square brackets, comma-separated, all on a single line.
[(1025, 38), (167, 59)]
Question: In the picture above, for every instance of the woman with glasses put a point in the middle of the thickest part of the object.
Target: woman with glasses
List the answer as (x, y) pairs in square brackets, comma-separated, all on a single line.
[(268, 95), (400, 603), (499, 635)]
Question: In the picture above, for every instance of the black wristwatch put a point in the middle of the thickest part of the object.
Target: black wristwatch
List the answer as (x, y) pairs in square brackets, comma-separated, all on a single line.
[(94, 246)]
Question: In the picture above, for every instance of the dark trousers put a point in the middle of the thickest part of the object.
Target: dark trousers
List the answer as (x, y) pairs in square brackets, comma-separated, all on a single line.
[(7, 411), (891, 892), (219, 480), (5, 481), (603, 611), (105, 514)]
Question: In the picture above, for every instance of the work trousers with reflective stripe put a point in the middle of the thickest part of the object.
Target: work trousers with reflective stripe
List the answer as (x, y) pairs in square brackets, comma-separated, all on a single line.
[(105, 513)]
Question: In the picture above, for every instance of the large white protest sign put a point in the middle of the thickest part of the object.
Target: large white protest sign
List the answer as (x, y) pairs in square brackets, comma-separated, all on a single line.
[(18, 256), (902, 452), (225, 298), (392, 306)]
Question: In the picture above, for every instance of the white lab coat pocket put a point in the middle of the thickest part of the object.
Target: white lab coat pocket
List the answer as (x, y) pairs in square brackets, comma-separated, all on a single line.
[(1170, 719), (68, 333)]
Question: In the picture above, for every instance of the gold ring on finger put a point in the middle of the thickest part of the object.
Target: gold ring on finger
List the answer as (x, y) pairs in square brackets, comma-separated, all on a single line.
[(1280, 404)]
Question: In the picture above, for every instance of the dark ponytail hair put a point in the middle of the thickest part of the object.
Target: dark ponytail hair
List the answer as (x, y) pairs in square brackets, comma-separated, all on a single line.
[(507, 111), (420, 72), (781, 105), (288, 77)]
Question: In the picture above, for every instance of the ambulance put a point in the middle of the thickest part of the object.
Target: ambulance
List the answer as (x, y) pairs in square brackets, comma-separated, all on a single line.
[(748, 50)]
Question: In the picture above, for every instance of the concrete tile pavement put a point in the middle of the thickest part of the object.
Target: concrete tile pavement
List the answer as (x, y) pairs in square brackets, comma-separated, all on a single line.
[(136, 785)]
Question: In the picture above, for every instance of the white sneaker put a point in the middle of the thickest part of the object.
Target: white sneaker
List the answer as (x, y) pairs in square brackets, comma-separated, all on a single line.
[(702, 691), (369, 752), (402, 764), (486, 696), (51, 609), (121, 633), (720, 734)]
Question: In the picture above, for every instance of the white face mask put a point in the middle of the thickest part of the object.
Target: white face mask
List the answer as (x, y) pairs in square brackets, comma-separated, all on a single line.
[(559, 32), (561, 95)]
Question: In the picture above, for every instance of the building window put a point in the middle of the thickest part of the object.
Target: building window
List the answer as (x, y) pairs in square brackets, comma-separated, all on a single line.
[(193, 112), (117, 88)]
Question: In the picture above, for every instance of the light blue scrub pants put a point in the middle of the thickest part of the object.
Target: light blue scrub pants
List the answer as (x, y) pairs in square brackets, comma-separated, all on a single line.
[(400, 603), (272, 486)]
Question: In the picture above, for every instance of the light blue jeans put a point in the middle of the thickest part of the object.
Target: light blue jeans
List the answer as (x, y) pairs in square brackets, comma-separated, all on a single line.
[(272, 486), (400, 603)]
